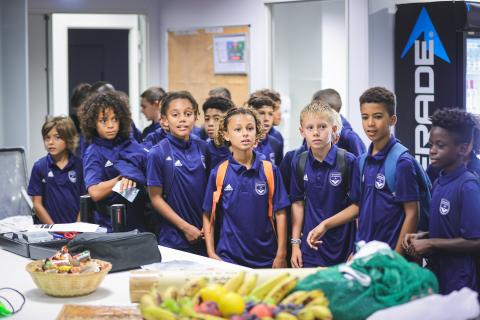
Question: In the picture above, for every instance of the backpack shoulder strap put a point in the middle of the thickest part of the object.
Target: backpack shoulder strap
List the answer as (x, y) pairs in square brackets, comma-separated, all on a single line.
[(300, 168), (342, 167), (361, 164), (391, 165), (268, 170), (221, 172)]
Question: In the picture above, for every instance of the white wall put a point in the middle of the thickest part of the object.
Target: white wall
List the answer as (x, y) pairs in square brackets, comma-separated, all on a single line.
[(185, 14), (14, 69)]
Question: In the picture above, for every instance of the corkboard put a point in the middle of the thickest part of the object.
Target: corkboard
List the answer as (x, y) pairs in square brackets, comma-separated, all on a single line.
[(190, 64)]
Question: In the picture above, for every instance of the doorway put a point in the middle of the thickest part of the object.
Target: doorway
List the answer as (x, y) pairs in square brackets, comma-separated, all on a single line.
[(98, 55)]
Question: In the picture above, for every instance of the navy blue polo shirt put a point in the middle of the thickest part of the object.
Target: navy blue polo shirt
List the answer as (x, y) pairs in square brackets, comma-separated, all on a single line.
[(277, 135), (473, 166), (107, 159), (60, 188), (150, 129), (286, 165), (216, 154), (154, 138), (381, 213), (246, 234), (350, 140), (324, 191), (182, 175), (454, 214), (271, 149)]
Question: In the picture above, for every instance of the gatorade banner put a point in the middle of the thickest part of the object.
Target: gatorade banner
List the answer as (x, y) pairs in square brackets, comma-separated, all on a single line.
[(429, 71)]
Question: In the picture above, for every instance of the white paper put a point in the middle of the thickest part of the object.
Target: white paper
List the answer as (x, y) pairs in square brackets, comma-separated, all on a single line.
[(15, 224), (65, 227), (130, 194)]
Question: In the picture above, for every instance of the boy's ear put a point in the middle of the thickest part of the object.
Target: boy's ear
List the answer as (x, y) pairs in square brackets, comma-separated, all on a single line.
[(464, 149), (225, 136), (302, 133), (393, 120)]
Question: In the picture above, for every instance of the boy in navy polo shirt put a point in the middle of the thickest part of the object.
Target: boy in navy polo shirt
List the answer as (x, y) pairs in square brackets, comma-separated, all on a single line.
[(56, 182), (214, 109), (349, 139), (113, 156), (246, 235), (277, 114), (270, 147), (451, 244), (322, 192), (158, 135), (150, 107), (176, 175), (382, 215)]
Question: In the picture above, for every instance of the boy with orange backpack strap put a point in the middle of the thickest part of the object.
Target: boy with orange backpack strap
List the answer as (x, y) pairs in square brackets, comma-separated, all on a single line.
[(245, 199)]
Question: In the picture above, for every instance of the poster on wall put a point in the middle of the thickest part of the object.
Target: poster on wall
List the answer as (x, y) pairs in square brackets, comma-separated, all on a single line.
[(230, 54)]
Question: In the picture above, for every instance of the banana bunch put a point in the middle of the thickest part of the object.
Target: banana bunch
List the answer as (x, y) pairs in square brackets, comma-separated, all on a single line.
[(304, 305)]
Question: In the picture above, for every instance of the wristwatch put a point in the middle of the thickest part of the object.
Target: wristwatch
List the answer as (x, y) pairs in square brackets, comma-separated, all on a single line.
[(295, 241)]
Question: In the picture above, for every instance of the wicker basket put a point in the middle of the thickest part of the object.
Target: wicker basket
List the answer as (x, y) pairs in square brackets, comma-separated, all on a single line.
[(67, 284)]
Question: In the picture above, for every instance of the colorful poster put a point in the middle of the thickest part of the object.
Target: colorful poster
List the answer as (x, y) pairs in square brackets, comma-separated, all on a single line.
[(230, 54)]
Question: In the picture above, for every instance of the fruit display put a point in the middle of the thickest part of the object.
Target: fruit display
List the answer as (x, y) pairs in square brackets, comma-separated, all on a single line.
[(239, 298)]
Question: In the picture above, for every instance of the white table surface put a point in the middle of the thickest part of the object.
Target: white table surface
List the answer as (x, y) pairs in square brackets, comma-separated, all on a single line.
[(114, 289)]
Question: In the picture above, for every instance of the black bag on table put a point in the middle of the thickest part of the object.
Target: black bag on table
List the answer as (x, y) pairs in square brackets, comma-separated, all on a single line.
[(124, 250)]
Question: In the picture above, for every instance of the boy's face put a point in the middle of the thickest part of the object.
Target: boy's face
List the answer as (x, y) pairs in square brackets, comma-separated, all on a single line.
[(444, 151), (376, 121), (266, 117), (150, 110), (107, 124), (317, 131), (277, 116), (181, 118), (212, 117), (241, 132), (54, 144)]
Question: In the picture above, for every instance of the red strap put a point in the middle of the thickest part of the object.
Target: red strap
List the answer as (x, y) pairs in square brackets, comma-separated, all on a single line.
[(268, 170), (222, 170)]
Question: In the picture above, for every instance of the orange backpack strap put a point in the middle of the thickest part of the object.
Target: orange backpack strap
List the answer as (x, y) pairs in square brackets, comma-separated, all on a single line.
[(268, 170), (222, 170)]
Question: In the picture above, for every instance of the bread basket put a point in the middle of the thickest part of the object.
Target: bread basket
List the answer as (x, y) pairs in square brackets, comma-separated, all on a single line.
[(67, 284)]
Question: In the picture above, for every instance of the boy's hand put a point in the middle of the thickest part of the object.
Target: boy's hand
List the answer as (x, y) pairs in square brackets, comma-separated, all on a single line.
[(314, 235), (127, 184), (421, 247), (279, 262), (193, 234), (409, 237), (296, 259), (214, 256)]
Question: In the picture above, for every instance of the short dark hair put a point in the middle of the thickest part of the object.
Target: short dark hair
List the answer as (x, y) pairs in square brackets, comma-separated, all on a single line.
[(256, 102), (79, 94), (220, 92), (174, 95), (272, 94), (100, 102), (219, 103), (461, 124), (153, 94), (329, 96), (102, 86), (381, 96), (66, 130)]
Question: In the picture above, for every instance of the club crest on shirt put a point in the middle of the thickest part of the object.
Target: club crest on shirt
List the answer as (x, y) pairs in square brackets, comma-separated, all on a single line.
[(72, 176), (380, 181), (335, 178), (260, 188), (444, 207)]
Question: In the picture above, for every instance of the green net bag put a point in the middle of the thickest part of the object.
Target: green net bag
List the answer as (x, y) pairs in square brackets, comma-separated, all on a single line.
[(371, 283)]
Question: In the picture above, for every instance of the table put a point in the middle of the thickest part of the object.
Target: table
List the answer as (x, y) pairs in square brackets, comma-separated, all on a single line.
[(114, 290)]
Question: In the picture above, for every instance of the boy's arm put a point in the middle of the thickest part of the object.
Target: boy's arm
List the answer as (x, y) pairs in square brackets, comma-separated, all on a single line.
[(281, 219), (40, 210), (457, 245), (192, 233), (348, 214), (298, 208), (209, 237), (409, 224), (103, 189)]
